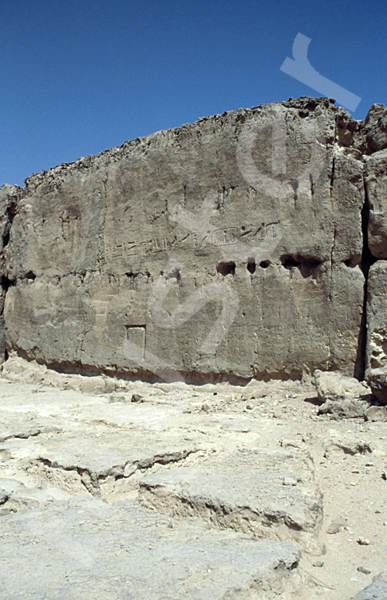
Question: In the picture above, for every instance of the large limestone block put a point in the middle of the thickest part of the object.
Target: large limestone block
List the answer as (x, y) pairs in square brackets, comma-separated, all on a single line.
[(9, 197), (335, 387), (376, 186), (376, 351), (375, 128), (342, 396), (268, 492), (85, 548), (227, 247), (89, 458)]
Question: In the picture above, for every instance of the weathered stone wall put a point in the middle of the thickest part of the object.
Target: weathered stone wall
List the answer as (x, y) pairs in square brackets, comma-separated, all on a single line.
[(231, 247)]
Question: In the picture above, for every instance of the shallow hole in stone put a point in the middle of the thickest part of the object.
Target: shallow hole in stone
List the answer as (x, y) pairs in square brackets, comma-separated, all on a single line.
[(30, 276), (251, 265), (352, 262), (310, 263), (5, 283), (289, 261), (307, 265), (264, 264), (226, 268), (175, 274)]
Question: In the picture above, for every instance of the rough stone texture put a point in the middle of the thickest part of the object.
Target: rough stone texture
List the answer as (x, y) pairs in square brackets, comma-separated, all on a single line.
[(335, 386), (376, 186), (377, 413), (252, 440), (230, 248), (375, 128), (363, 137), (376, 591), (376, 352), (342, 396), (268, 493), (9, 197), (88, 549), (348, 446), (348, 409), (57, 445), (114, 258)]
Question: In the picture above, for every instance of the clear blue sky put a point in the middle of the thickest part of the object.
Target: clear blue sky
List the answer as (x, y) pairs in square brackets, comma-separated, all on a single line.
[(78, 77)]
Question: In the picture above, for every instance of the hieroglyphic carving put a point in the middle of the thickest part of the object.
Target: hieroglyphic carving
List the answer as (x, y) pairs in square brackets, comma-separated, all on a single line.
[(192, 241)]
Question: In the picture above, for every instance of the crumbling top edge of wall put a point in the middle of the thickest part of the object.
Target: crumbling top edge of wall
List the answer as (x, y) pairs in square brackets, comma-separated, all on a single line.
[(303, 103), (359, 137)]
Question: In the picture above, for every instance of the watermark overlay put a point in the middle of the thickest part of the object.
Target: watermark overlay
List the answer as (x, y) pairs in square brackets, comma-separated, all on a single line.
[(279, 187), (194, 303), (230, 247), (150, 362), (300, 68), (200, 223)]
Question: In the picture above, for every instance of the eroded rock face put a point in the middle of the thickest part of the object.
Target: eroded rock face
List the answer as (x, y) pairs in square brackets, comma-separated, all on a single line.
[(230, 247), (363, 137), (376, 371), (227, 248), (9, 198), (375, 128), (376, 185)]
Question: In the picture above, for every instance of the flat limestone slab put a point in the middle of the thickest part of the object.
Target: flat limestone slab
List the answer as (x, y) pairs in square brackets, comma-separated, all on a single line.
[(87, 549), (78, 461), (268, 492), (376, 591)]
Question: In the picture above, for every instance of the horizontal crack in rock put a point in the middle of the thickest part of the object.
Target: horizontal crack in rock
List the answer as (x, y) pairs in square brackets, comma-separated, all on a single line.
[(25, 435), (93, 480)]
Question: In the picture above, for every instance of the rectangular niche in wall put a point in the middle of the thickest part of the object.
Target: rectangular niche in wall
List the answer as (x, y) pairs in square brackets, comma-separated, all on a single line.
[(136, 334)]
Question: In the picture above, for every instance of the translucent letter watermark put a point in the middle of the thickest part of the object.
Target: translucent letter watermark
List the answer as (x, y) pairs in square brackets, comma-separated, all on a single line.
[(300, 68)]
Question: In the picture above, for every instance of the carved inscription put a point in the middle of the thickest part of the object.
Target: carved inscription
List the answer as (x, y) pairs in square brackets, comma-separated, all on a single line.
[(152, 246), (225, 237), (192, 241)]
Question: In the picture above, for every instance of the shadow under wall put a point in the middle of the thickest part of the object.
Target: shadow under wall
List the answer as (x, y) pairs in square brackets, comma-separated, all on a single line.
[(367, 260)]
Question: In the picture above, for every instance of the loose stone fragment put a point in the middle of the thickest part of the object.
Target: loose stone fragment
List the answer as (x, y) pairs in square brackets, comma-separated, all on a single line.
[(336, 525), (376, 591), (363, 541)]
